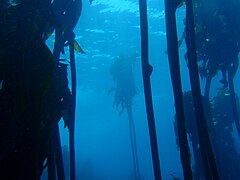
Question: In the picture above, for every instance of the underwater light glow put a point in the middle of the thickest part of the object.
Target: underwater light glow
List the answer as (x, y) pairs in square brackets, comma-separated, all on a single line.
[(122, 6)]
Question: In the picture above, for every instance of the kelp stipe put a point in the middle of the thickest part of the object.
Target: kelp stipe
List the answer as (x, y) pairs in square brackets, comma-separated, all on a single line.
[(234, 103), (58, 153), (67, 19), (55, 149), (172, 42), (204, 139), (125, 89), (133, 142), (147, 70), (72, 123)]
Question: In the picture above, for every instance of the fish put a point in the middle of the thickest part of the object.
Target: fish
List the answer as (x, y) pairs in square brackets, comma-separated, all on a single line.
[(77, 47)]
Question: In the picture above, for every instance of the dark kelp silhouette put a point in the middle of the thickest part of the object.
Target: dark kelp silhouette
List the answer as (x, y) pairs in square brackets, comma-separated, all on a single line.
[(223, 119), (204, 139), (122, 71), (233, 100), (41, 75), (67, 14), (191, 128), (219, 114), (170, 7), (218, 40), (205, 144), (26, 89), (147, 71)]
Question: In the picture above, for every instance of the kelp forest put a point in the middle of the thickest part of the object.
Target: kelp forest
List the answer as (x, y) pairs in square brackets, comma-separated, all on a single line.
[(120, 89)]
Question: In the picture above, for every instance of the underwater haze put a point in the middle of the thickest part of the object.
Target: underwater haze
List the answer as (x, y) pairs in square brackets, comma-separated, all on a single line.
[(108, 30)]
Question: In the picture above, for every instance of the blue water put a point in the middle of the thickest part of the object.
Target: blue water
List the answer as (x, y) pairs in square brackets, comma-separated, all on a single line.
[(107, 29)]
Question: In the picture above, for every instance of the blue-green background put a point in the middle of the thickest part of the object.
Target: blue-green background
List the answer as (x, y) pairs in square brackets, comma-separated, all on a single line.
[(107, 29)]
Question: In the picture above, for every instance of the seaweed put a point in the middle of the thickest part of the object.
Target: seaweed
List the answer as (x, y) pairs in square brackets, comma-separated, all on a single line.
[(122, 71)]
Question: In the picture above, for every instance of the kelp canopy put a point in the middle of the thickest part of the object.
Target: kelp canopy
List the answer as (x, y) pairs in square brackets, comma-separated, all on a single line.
[(122, 71)]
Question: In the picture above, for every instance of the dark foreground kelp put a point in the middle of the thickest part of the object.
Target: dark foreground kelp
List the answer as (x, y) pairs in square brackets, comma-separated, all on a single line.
[(34, 92)]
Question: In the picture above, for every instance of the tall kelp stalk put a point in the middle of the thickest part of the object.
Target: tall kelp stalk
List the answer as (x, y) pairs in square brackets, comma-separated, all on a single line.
[(67, 14), (125, 91), (133, 142), (74, 14), (72, 123), (234, 103), (58, 154), (204, 139), (207, 87), (172, 42), (56, 161), (191, 128), (147, 70)]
